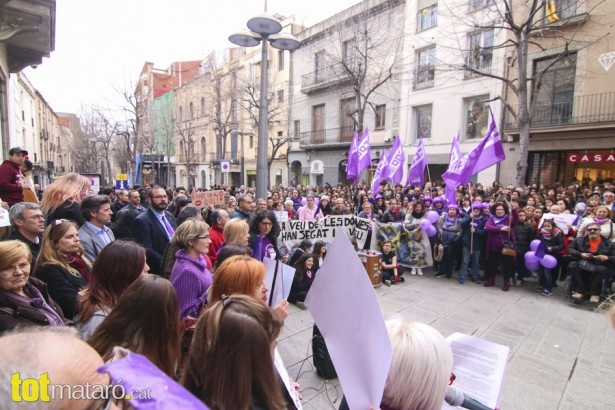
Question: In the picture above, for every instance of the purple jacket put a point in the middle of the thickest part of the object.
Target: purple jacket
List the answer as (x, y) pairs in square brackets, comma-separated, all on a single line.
[(495, 235), (191, 279)]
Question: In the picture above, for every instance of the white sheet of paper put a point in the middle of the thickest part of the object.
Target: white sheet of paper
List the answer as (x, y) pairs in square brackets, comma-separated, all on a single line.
[(561, 220), (281, 368), (479, 366), (284, 280), (345, 308)]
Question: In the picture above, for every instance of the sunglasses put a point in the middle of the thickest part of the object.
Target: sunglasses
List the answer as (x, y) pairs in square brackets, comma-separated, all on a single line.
[(593, 230)]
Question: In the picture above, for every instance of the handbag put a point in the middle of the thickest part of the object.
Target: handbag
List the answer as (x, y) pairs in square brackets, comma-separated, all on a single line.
[(510, 248), (587, 266)]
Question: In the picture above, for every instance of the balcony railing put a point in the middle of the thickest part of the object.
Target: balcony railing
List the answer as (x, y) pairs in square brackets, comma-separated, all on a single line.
[(326, 76), (584, 109), (327, 137), (424, 77)]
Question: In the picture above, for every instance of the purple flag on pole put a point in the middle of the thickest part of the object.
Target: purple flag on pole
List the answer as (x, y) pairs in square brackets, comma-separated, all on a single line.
[(353, 159), (396, 162), (454, 157), (416, 175), (381, 171), (541, 250), (493, 152), (363, 152)]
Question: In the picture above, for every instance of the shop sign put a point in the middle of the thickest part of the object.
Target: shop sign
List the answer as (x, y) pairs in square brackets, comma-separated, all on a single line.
[(590, 157)]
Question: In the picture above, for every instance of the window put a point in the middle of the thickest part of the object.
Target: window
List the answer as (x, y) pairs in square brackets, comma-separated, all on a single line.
[(318, 124), (348, 107), (477, 116), (203, 149), (191, 110), (251, 141), (425, 69), (320, 71), (349, 53), (297, 128), (234, 111), (280, 60), (181, 113), (427, 17), (202, 106), (477, 4), (480, 52), (553, 102), (423, 122), (280, 96), (556, 10), (380, 116)]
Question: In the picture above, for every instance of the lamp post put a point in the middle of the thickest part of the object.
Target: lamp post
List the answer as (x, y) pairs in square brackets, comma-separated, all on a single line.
[(263, 28)]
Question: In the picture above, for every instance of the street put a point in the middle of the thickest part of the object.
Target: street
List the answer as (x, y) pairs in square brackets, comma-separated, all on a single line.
[(562, 355)]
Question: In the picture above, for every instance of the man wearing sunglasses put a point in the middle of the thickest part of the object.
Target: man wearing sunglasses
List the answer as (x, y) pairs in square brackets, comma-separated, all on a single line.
[(593, 259)]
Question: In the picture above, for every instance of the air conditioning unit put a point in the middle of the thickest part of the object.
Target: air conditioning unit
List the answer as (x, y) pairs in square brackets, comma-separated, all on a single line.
[(509, 138)]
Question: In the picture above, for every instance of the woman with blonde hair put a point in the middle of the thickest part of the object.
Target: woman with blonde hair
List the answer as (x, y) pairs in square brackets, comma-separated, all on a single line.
[(145, 321), (62, 199), (237, 232), (231, 358), (190, 276), (601, 216), (24, 300), (61, 264)]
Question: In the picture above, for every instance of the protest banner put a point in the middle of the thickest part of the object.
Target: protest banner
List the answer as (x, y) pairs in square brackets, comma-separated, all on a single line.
[(207, 198), (292, 232)]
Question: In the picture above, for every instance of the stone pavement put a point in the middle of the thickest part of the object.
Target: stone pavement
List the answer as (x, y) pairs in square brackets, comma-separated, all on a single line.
[(562, 355)]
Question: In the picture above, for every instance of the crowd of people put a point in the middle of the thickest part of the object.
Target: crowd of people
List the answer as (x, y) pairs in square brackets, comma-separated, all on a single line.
[(147, 270)]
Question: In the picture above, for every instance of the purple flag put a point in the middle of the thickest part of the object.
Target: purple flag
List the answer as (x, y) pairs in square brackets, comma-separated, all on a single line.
[(381, 171), (541, 250), (493, 152), (353, 159), (396, 162), (454, 157), (364, 152), (416, 175)]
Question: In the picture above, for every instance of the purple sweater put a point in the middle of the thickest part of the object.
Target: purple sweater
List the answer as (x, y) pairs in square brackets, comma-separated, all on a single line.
[(495, 235), (191, 279)]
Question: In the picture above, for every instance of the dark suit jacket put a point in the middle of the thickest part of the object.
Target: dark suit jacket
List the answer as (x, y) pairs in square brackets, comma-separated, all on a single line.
[(149, 232), (62, 286)]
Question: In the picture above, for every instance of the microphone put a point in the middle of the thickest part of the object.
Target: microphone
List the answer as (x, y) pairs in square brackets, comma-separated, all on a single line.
[(455, 397)]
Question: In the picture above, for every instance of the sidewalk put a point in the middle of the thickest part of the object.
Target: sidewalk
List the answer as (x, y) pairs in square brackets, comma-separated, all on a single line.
[(562, 355)]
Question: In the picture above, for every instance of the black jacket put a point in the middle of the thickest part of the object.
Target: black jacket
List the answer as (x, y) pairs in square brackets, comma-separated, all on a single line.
[(581, 245)]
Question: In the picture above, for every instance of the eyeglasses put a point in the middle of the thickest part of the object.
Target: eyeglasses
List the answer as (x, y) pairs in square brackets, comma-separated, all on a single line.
[(266, 223), (35, 217), (593, 230), (9, 270), (202, 237)]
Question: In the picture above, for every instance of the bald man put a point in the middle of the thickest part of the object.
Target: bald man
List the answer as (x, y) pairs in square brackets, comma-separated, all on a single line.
[(36, 358)]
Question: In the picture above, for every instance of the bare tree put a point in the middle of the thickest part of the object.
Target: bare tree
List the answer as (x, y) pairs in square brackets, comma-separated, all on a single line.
[(186, 131), (530, 26), (130, 133), (364, 55)]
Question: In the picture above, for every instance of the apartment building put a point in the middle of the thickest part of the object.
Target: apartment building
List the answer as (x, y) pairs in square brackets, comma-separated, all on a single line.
[(572, 127), (346, 76)]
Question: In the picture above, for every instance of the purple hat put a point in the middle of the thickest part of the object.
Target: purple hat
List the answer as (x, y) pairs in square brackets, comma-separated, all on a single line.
[(438, 199), (378, 196), (427, 198), (455, 206), (486, 205), (477, 205)]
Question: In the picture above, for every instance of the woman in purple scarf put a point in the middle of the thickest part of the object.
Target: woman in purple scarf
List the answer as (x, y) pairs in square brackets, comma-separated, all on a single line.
[(500, 229)]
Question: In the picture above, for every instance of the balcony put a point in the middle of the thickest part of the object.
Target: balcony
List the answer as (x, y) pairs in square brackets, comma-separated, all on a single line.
[(424, 77), (584, 109), (328, 138), (331, 74)]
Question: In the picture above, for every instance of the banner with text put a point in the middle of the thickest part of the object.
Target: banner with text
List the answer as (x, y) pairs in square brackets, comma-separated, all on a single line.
[(292, 232)]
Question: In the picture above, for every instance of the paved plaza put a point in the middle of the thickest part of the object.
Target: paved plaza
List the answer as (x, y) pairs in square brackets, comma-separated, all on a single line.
[(562, 355)]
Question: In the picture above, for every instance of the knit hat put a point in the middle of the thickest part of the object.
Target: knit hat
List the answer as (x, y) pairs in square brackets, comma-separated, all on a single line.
[(324, 198), (477, 205)]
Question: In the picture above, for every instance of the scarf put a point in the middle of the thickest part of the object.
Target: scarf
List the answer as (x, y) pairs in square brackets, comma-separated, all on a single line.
[(79, 264), (600, 221), (308, 273), (500, 221), (546, 234), (450, 222), (418, 215)]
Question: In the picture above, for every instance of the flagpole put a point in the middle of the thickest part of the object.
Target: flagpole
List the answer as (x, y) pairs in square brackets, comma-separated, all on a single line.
[(429, 175)]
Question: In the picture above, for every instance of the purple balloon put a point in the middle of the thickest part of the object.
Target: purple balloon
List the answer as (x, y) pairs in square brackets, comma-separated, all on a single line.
[(531, 257), (532, 266), (316, 201), (549, 262), (431, 230), (432, 216), (424, 224), (534, 244), (303, 201)]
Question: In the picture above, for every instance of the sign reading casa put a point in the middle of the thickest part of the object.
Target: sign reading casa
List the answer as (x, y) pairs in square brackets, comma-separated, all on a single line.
[(592, 157)]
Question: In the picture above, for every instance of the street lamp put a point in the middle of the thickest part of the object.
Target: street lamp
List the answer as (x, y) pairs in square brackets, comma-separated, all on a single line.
[(263, 28)]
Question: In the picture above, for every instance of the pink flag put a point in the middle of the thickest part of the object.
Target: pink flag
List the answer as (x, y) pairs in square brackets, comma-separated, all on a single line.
[(416, 175), (396, 162)]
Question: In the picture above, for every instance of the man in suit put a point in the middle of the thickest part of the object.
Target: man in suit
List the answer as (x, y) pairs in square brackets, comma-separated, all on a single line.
[(94, 234), (122, 227), (154, 228)]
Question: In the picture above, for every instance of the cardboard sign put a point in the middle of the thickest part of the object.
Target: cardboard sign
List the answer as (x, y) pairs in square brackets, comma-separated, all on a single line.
[(207, 198)]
